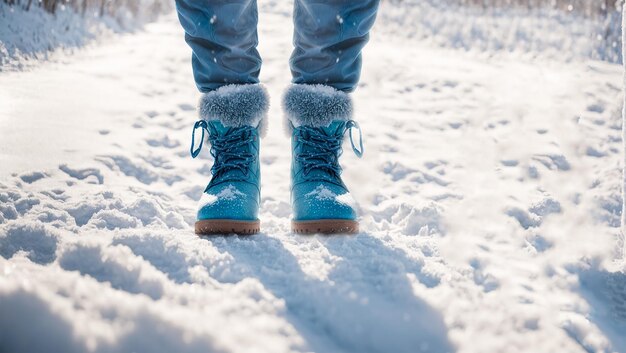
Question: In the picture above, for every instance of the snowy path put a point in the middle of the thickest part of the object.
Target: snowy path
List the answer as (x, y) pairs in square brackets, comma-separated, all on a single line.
[(489, 196)]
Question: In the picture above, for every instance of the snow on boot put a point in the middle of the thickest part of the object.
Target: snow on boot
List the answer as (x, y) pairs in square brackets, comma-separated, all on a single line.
[(318, 118), (234, 119)]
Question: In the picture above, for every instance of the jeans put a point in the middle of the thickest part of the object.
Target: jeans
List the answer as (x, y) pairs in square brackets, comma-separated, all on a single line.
[(328, 38)]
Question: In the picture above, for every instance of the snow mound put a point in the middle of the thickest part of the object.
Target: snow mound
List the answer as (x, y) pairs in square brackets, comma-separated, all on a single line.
[(29, 36), (533, 32), (489, 209)]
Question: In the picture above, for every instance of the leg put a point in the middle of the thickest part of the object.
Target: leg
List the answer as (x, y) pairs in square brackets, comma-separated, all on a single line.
[(233, 108), (326, 64), (329, 36), (223, 37)]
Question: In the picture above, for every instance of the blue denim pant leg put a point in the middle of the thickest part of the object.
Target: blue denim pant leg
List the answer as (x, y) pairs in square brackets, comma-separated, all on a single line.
[(329, 36), (223, 37)]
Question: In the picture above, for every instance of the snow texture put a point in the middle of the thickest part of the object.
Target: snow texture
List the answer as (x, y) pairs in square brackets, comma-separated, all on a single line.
[(236, 106), (530, 31), (229, 193), (322, 193), (27, 37), (490, 204), (315, 105), (207, 200)]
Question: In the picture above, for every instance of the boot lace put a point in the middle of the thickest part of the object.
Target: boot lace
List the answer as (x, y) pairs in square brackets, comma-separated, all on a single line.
[(324, 150), (226, 149)]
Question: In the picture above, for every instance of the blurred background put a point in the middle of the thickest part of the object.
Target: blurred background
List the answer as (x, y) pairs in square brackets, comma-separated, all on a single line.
[(594, 26), (524, 26)]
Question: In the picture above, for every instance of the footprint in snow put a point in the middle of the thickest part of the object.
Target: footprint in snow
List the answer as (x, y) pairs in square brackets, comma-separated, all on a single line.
[(158, 162), (608, 290), (116, 265), (84, 210), (534, 216), (396, 170), (164, 141), (194, 192), (553, 161), (24, 204), (151, 114), (186, 107), (482, 278), (83, 174), (165, 255), (455, 125), (449, 83), (38, 241), (592, 152), (539, 243), (596, 108), (50, 215), (55, 194), (129, 168), (32, 177), (113, 219)]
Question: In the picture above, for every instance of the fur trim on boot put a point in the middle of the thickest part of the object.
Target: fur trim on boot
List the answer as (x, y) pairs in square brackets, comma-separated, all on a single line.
[(236, 106), (315, 105)]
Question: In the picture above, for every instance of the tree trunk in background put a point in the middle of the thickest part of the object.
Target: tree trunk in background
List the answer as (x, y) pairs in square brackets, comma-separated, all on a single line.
[(49, 5)]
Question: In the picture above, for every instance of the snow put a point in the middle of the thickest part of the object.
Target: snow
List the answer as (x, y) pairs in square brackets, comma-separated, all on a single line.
[(347, 199), (228, 193), (27, 37), (490, 201), (321, 193), (529, 30), (207, 199)]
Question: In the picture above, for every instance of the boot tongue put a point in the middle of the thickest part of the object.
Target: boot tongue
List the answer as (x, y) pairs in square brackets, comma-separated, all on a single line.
[(217, 128), (336, 128)]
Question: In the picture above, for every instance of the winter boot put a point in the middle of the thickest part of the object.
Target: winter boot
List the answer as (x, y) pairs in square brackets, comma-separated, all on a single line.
[(234, 119), (318, 118)]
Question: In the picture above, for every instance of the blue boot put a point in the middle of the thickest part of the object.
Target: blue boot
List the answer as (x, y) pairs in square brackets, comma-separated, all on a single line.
[(318, 118), (233, 117)]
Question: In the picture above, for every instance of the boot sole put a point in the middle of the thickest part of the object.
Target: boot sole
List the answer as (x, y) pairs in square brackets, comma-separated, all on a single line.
[(325, 226), (227, 226)]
